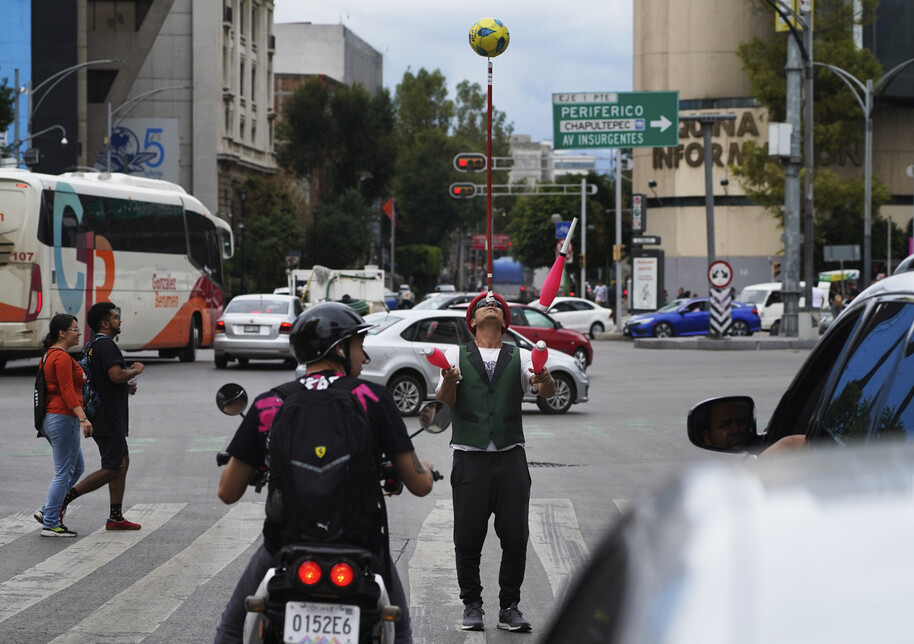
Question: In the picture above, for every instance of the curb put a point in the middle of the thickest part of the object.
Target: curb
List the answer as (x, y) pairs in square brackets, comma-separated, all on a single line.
[(703, 343)]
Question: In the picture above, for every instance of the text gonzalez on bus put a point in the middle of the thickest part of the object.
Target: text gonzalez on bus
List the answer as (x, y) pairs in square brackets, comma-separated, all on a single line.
[(69, 241)]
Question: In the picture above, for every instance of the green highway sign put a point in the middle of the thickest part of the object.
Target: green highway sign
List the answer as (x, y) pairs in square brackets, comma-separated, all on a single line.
[(615, 120)]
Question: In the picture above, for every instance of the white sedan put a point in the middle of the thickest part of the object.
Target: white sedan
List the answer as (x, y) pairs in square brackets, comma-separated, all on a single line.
[(581, 315)]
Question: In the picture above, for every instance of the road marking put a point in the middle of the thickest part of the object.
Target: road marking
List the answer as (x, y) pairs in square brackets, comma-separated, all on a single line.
[(207, 444), (554, 534), (84, 557), (557, 541), (15, 526), (136, 612)]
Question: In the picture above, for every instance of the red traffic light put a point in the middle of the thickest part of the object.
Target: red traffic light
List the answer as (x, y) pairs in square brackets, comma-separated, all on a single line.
[(463, 190), (470, 162)]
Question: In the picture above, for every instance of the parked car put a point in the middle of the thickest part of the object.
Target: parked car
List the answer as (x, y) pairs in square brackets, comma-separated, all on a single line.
[(391, 299), (855, 386), (445, 300), (582, 315), (445, 288), (689, 317), (256, 327), (766, 297), (815, 548), (397, 361), (406, 297), (536, 325)]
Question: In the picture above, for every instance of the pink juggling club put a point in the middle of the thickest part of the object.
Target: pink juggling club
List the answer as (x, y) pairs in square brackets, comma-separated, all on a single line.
[(554, 278)]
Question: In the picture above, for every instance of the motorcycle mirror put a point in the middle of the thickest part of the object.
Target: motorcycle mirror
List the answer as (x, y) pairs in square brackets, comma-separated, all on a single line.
[(232, 399), (435, 417)]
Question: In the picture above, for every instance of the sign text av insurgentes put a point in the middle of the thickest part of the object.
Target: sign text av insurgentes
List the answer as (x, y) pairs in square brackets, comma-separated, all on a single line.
[(615, 119)]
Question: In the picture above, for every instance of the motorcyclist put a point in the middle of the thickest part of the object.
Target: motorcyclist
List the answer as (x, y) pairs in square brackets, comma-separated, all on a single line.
[(327, 338)]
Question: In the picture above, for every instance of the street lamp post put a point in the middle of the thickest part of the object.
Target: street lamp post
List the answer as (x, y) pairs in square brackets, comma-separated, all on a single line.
[(243, 197), (18, 142), (865, 93), (47, 85), (127, 106)]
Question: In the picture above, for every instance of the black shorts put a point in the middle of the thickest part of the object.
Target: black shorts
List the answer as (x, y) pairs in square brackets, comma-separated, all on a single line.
[(112, 449)]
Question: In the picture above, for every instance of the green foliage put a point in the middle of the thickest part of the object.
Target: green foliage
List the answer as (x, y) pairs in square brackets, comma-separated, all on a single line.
[(422, 262), (341, 237), (7, 105), (344, 132), (837, 121), (271, 231), (533, 232)]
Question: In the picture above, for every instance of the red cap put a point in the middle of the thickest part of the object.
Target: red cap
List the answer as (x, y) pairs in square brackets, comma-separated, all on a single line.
[(499, 299)]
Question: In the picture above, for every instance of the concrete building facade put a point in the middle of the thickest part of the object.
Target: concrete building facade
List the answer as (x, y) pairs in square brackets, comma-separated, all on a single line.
[(690, 46)]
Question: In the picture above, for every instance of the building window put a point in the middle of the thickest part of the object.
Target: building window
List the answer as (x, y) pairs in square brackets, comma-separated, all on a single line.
[(253, 132), (116, 15), (253, 82), (241, 81), (255, 22), (241, 128), (241, 18), (228, 121)]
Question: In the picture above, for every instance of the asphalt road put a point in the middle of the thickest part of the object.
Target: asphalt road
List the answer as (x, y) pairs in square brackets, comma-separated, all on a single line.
[(169, 581)]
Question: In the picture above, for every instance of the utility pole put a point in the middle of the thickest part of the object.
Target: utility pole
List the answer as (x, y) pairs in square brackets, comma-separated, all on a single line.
[(792, 237)]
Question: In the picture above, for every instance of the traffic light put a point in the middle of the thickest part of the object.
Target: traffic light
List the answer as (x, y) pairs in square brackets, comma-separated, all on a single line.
[(463, 190), (470, 162), (775, 271)]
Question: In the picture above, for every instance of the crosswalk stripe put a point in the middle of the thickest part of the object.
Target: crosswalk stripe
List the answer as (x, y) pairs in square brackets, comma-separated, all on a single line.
[(137, 611), (557, 541), (15, 526), (82, 558)]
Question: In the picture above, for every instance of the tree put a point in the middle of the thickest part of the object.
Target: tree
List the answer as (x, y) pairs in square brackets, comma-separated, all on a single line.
[(340, 136), (7, 105), (271, 232), (340, 236), (836, 124)]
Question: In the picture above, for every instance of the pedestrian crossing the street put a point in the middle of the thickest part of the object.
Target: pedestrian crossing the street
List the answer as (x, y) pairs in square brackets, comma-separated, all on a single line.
[(139, 610)]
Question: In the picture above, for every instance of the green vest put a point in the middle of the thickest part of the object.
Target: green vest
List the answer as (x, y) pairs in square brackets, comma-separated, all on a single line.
[(488, 411)]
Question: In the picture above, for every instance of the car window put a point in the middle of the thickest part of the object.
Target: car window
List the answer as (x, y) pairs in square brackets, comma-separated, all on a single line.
[(562, 307), (537, 319), (383, 320), (517, 341), (793, 414), (262, 306), (583, 306), (436, 331), (873, 391), (298, 307)]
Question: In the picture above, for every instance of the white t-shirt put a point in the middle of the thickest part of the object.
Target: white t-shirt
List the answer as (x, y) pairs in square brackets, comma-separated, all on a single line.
[(489, 359)]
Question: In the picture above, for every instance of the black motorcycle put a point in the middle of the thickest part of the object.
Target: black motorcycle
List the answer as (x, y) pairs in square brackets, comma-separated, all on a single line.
[(322, 591)]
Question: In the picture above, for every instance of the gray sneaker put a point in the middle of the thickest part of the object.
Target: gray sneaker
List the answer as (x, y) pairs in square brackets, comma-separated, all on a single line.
[(511, 619), (472, 617), (59, 531)]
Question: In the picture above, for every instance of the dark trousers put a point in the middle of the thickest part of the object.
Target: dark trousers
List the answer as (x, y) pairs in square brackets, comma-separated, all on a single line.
[(484, 483)]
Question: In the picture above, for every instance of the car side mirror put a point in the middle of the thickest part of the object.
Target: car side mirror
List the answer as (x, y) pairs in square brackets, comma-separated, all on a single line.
[(724, 424), (559, 325)]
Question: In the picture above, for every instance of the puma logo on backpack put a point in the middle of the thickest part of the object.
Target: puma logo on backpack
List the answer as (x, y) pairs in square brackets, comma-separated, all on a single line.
[(324, 476)]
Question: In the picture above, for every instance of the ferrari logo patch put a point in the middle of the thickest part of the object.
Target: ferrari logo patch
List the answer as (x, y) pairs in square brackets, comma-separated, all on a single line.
[(320, 450)]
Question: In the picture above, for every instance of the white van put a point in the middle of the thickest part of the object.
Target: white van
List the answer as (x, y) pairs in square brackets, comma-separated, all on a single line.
[(767, 299)]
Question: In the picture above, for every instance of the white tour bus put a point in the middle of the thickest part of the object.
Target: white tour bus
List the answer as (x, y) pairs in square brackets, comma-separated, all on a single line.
[(146, 245)]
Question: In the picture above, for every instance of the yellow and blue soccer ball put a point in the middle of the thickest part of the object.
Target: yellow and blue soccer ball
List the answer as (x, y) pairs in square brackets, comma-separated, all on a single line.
[(489, 37)]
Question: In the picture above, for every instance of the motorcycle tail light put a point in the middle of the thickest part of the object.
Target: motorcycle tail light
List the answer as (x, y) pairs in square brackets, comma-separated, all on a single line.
[(309, 572), (220, 327), (342, 574), (285, 328)]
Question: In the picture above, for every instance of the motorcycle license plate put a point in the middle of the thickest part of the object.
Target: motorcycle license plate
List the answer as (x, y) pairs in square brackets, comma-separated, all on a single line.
[(311, 622)]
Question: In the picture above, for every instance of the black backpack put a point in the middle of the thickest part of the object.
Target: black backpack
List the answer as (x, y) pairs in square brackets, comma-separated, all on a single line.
[(324, 472), (40, 394), (90, 394)]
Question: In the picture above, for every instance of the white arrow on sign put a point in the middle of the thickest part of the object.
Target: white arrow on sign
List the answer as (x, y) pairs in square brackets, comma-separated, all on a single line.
[(663, 123)]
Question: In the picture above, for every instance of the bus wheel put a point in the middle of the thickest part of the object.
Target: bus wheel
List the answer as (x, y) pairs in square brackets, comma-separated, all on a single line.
[(189, 353)]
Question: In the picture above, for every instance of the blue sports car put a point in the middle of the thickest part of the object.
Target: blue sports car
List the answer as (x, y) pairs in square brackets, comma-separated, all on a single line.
[(690, 317)]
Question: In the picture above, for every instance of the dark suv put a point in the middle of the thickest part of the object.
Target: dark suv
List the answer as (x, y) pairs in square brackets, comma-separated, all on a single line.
[(856, 386)]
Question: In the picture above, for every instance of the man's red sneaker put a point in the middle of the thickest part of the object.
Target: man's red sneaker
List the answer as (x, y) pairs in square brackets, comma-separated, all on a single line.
[(123, 524)]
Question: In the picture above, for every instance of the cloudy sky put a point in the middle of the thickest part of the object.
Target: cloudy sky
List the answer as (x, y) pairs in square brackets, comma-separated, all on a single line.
[(556, 46)]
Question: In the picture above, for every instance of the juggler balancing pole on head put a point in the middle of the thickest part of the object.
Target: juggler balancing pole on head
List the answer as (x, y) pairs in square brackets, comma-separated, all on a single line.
[(551, 285), (489, 37)]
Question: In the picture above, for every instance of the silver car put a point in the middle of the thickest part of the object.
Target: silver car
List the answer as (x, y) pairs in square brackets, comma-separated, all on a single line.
[(397, 362), (256, 326)]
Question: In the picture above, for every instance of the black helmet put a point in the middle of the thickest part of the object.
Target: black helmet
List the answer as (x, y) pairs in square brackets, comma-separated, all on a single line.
[(323, 326)]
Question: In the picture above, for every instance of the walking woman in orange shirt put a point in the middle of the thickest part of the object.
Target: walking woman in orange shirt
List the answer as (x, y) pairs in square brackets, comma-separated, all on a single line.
[(65, 418)]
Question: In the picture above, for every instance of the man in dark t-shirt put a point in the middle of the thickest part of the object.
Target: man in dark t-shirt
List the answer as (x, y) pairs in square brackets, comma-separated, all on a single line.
[(114, 382), (327, 338)]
